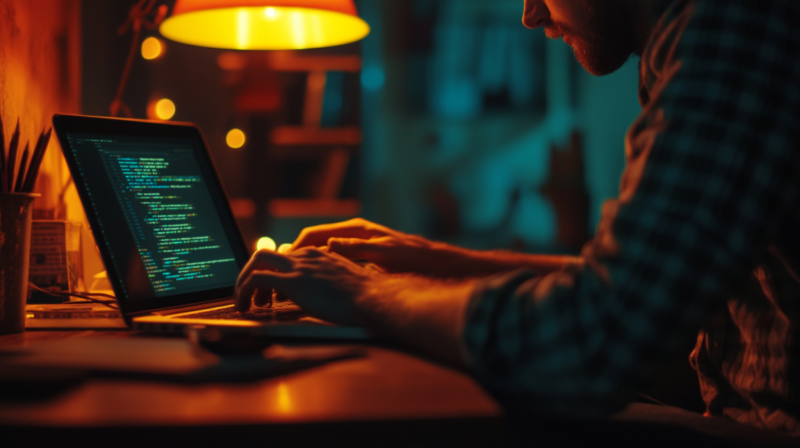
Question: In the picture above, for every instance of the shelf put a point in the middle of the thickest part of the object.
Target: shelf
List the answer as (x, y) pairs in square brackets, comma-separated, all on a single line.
[(289, 61), (309, 208), (303, 135)]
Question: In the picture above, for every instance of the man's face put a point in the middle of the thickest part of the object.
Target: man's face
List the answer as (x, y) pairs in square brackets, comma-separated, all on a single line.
[(599, 31)]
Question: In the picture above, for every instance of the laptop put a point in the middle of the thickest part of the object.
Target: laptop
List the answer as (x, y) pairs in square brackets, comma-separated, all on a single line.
[(164, 228)]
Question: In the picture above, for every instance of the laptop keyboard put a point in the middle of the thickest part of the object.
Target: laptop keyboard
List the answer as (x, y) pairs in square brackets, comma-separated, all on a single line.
[(278, 312)]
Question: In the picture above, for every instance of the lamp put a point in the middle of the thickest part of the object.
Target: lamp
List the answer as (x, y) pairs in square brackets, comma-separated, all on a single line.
[(264, 24)]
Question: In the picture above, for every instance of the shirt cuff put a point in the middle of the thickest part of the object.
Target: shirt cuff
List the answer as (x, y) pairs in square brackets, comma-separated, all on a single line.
[(481, 313)]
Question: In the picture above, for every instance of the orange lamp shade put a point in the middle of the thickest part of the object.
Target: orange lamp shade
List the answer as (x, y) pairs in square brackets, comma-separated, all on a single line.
[(264, 24)]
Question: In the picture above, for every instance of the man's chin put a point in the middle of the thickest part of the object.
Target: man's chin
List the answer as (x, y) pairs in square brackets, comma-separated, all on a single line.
[(600, 63)]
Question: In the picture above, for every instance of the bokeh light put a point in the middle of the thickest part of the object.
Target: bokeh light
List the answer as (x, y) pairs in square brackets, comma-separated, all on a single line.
[(230, 60), (271, 13), (152, 48), (165, 109), (265, 242), (235, 138)]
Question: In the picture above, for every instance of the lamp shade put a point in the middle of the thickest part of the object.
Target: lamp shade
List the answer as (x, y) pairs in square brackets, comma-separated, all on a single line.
[(264, 24)]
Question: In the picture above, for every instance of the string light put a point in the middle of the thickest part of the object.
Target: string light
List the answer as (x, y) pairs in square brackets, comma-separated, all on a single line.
[(152, 48), (235, 138), (165, 109)]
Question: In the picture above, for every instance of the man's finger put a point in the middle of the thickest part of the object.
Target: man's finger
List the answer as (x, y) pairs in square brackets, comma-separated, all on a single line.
[(319, 235), (262, 297), (357, 248), (259, 280), (263, 260)]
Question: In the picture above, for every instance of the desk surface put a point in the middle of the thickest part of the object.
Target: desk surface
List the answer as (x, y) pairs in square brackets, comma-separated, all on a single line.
[(384, 388)]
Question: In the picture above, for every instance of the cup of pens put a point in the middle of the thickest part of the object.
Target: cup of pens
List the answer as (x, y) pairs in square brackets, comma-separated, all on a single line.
[(17, 178)]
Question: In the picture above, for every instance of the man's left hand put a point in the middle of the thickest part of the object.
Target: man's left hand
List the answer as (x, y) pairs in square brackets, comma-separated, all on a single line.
[(325, 284)]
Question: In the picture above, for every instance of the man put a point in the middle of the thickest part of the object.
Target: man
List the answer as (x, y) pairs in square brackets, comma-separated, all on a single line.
[(703, 235)]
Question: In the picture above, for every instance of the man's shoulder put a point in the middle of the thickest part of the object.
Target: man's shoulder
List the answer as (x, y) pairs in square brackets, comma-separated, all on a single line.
[(732, 15), (715, 29)]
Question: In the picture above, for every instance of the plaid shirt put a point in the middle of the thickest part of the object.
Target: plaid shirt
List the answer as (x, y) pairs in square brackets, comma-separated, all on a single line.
[(705, 234)]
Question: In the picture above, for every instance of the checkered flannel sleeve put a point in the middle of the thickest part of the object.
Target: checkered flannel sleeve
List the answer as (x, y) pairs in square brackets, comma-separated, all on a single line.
[(712, 167)]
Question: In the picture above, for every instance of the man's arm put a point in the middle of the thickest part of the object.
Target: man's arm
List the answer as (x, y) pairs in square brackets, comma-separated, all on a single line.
[(712, 172), (397, 252), (422, 314)]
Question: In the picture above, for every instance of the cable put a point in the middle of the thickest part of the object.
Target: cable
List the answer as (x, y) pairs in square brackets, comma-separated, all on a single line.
[(88, 297)]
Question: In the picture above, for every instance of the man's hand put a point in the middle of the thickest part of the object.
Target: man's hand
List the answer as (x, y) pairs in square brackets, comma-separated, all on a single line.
[(326, 285), (398, 252), (425, 314), (357, 228), (392, 251)]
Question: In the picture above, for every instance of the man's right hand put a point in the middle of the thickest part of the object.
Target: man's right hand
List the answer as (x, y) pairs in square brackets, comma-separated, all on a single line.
[(392, 251), (398, 252)]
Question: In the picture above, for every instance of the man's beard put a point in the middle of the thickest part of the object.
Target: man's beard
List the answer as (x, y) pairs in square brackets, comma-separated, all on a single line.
[(605, 41)]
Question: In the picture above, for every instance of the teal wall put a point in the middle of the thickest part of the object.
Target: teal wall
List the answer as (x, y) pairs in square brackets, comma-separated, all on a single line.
[(607, 105)]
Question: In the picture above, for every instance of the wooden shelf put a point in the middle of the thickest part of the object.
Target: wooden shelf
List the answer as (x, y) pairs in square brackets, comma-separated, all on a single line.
[(309, 208), (302, 135), (290, 61)]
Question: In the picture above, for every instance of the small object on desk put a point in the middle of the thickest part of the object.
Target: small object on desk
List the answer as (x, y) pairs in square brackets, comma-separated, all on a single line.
[(230, 341), (55, 259), (15, 237), (73, 316)]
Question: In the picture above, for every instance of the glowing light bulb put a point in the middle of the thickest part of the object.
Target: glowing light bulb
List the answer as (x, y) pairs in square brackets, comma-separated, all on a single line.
[(271, 13), (284, 248), (165, 109), (265, 242), (235, 138), (152, 48)]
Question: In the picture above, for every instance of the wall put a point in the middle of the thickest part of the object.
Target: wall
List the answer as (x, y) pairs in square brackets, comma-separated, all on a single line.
[(39, 76), (608, 105), (484, 159)]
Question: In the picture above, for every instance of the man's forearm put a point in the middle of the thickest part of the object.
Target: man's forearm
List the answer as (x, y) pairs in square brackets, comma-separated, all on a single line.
[(425, 315), (485, 263)]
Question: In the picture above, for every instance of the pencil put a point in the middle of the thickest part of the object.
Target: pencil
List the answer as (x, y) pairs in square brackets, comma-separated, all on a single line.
[(12, 159), (2, 158), (37, 151), (21, 171), (36, 161)]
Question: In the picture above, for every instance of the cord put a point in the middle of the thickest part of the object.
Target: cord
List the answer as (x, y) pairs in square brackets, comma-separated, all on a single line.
[(88, 297)]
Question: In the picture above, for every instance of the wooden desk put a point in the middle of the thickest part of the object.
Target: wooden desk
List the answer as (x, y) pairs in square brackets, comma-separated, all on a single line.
[(386, 398)]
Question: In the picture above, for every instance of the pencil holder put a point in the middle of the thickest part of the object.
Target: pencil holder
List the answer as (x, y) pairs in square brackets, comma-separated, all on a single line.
[(15, 242)]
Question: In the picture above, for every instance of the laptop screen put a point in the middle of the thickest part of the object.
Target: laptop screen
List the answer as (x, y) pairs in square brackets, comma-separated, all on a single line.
[(160, 211)]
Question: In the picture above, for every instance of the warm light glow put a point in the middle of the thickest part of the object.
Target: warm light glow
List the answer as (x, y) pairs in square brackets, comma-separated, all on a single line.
[(284, 399), (242, 29), (235, 138), (265, 242), (243, 207), (231, 60), (284, 248), (256, 28), (271, 13), (152, 48), (165, 109)]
